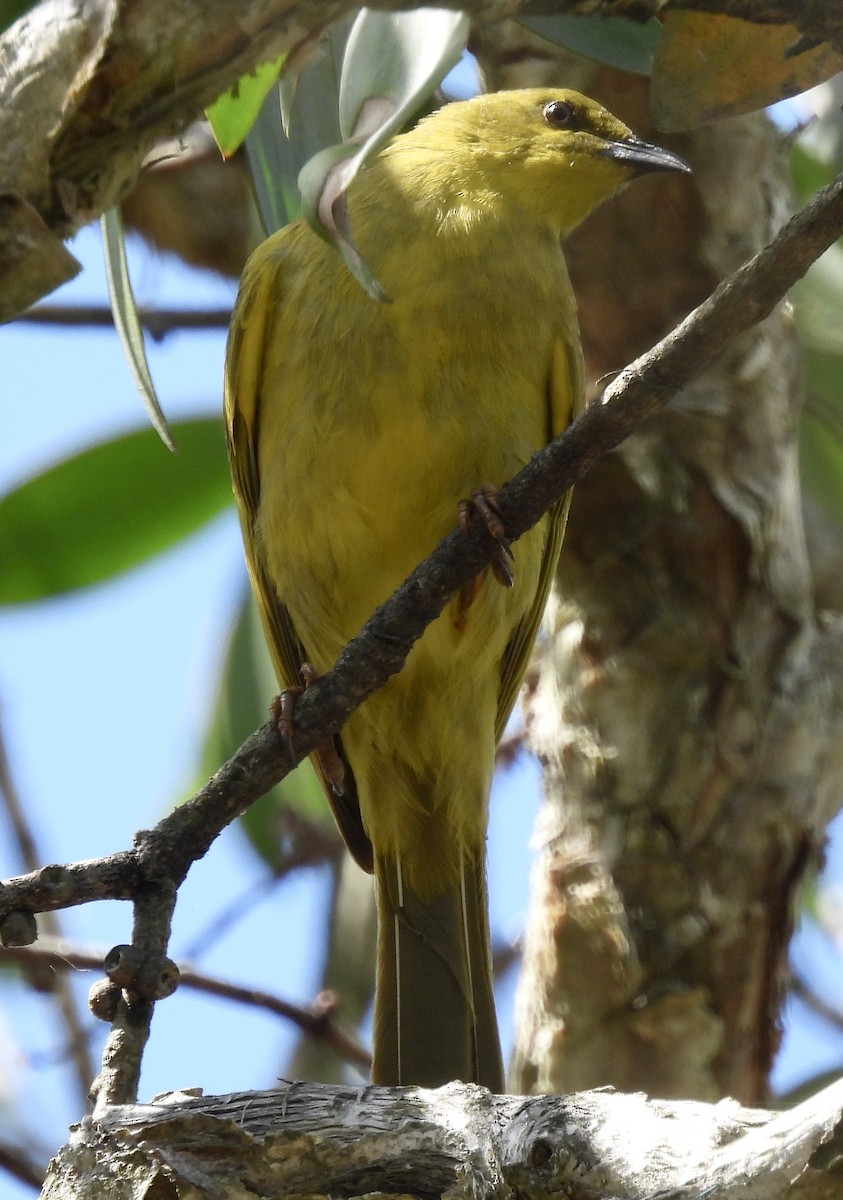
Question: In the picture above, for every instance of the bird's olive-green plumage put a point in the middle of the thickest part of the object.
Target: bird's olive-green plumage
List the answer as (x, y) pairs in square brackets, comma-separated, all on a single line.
[(355, 428)]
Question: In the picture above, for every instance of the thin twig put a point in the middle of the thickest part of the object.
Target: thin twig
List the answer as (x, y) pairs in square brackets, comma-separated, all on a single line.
[(306, 843), (30, 855), (829, 1013), (16, 1163), (158, 322), (62, 956)]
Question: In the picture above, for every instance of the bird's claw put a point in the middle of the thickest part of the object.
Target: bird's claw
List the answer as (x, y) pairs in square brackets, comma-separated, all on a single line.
[(485, 502), (282, 711)]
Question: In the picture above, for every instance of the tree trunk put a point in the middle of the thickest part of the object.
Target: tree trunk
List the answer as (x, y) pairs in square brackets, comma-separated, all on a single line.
[(685, 707)]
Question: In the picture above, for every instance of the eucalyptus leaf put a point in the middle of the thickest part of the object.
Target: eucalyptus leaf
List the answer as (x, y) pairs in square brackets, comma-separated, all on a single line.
[(127, 321), (274, 179), (616, 41), (109, 508), (329, 220), (319, 81), (398, 57)]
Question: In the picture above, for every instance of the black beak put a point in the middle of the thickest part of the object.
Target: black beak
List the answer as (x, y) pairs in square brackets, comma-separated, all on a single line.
[(643, 156)]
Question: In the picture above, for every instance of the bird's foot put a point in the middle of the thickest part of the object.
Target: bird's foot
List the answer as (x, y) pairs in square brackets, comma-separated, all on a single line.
[(282, 711), (485, 503)]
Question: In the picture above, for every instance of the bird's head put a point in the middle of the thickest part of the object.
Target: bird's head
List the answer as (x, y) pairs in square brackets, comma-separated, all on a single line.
[(551, 152)]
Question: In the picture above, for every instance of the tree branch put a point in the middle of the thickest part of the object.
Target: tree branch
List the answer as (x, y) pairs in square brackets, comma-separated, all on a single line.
[(59, 955), (157, 322), (456, 1141), (151, 873), (87, 90)]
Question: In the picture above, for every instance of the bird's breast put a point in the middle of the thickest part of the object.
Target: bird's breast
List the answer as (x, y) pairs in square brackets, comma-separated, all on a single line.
[(379, 420)]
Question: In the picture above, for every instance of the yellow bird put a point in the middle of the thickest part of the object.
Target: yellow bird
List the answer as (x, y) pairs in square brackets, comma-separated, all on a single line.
[(355, 428)]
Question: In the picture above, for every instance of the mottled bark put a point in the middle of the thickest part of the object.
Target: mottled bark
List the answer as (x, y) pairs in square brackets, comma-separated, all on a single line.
[(305, 1140), (687, 706)]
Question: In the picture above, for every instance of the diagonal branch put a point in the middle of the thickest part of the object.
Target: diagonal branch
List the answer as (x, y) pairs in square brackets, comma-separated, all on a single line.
[(151, 873), (379, 650)]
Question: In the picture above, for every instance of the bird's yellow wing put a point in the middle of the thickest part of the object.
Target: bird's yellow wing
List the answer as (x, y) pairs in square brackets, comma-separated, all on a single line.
[(565, 396), (255, 314), (259, 316)]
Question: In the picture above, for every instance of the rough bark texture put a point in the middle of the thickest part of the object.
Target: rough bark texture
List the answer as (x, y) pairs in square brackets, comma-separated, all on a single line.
[(87, 89), (461, 1142), (686, 708)]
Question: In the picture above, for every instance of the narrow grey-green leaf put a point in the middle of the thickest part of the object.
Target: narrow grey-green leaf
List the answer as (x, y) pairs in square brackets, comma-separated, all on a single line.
[(109, 508), (268, 155), (298, 119), (329, 218), (398, 57), (127, 321), (621, 43), (317, 102)]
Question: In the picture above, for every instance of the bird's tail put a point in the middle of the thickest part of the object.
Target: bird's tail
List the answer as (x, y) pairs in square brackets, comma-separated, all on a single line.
[(434, 1007)]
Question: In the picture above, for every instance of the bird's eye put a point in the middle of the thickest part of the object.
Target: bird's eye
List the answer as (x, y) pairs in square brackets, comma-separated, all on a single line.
[(559, 113)]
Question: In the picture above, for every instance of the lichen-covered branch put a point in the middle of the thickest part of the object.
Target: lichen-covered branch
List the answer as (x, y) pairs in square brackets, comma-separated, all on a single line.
[(87, 89), (458, 1141)]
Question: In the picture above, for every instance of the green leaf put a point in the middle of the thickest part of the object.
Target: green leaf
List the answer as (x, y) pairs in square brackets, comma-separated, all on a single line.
[(126, 319), (13, 10), (809, 172), (276, 157), (233, 114), (628, 45), (823, 374), (247, 684), (818, 300), (267, 153), (821, 459), (108, 509)]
